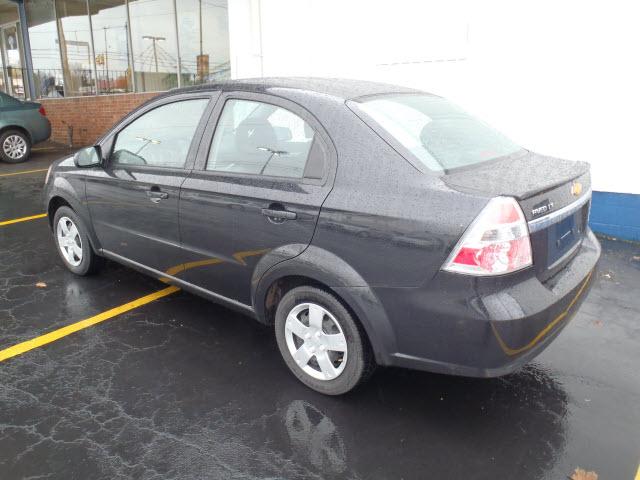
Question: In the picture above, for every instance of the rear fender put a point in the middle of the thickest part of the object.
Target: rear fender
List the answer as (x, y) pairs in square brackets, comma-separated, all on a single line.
[(16, 126), (325, 268)]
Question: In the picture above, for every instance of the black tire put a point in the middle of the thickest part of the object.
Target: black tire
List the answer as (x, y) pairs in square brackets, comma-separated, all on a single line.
[(359, 364), (6, 136), (90, 262)]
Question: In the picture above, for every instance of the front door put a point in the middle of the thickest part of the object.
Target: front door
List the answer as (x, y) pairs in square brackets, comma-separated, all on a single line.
[(133, 200), (257, 189)]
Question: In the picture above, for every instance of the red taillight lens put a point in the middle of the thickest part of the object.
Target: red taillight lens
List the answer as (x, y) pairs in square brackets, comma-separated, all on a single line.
[(42, 111), (497, 241)]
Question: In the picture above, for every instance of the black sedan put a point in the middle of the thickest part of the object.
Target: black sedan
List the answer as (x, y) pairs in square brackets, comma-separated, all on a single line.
[(369, 224)]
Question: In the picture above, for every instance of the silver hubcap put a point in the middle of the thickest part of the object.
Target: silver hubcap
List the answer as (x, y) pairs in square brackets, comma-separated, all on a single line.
[(14, 146), (316, 341), (69, 241)]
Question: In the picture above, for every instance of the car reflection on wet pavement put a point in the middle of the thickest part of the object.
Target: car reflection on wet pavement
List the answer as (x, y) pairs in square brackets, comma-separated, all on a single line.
[(183, 388)]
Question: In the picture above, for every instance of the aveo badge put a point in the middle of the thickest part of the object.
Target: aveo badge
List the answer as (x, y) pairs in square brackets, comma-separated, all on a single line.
[(541, 208)]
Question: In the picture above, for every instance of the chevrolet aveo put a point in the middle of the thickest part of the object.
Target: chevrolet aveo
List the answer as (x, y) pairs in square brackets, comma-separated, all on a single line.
[(368, 224)]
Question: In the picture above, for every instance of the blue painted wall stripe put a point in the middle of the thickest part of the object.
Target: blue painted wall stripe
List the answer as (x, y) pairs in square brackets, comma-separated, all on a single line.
[(616, 214)]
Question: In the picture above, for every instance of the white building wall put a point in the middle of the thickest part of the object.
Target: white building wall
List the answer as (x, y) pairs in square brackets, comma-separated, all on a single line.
[(559, 77)]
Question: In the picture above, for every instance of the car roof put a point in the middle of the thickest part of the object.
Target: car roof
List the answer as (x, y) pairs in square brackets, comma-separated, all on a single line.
[(341, 88)]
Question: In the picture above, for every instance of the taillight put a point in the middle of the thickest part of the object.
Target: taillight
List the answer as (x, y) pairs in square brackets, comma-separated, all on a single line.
[(497, 242), (42, 111)]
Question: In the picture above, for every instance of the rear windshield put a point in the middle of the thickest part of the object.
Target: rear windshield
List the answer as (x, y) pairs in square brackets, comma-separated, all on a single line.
[(437, 133)]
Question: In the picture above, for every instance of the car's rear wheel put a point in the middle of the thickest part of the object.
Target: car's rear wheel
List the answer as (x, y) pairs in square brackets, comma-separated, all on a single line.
[(73, 243), (15, 146), (321, 342)]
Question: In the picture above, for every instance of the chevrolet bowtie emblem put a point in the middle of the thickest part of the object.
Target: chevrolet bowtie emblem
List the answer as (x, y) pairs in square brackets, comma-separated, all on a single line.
[(576, 189)]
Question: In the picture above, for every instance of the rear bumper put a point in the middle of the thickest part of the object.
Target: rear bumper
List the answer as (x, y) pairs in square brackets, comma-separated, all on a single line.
[(41, 131), (484, 327)]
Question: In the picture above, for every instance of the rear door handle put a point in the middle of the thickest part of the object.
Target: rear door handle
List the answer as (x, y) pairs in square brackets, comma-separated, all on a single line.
[(277, 215)]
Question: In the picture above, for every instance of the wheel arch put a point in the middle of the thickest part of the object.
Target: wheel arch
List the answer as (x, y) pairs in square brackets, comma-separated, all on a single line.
[(20, 128), (54, 204), (60, 198), (336, 277)]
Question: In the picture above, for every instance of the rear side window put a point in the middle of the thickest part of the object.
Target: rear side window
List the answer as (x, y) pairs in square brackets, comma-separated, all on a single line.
[(260, 139), (437, 133), (160, 137)]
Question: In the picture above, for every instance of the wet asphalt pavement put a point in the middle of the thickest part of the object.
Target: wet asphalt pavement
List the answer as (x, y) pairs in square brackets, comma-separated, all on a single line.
[(182, 388)]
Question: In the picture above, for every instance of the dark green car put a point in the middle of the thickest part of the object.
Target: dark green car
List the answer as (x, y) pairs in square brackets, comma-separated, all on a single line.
[(22, 124)]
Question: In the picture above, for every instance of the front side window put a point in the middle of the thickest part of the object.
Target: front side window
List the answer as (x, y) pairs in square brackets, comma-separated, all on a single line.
[(161, 137), (439, 134), (260, 139)]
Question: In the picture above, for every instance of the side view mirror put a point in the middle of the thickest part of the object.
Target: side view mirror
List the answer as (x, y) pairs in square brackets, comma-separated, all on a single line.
[(88, 157)]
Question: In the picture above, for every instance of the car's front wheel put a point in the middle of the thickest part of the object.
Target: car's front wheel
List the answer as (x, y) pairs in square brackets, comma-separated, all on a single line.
[(321, 342), (73, 243), (14, 146)]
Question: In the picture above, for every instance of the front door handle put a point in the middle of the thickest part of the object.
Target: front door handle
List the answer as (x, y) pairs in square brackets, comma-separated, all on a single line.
[(277, 215), (155, 195)]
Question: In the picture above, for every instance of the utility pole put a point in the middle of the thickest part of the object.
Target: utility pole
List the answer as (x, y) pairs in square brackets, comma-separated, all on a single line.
[(106, 58), (200, 17), (155, 53)]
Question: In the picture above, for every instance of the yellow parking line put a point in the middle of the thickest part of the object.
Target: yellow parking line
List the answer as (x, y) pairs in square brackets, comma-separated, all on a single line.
[(23, 219), (23, 172), (240, 256), (638, 473), (36, 342)]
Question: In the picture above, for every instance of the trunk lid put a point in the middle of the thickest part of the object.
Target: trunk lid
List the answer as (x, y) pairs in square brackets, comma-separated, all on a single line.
[(34, 105), (555, 196)]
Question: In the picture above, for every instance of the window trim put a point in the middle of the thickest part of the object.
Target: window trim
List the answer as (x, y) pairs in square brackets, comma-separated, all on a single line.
[(404, 152), (109, 140), (319, 134)]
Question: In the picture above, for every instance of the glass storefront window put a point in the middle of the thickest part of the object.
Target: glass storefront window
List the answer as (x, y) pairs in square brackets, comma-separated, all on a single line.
[(11, 52), (12, 75), (3, 87), (153, 37), (75, 47), (111, 44), (203, 33), (88, 47), (45, 54)]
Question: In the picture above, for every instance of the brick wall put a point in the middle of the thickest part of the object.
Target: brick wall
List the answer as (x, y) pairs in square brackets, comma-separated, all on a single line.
[(88, 117)]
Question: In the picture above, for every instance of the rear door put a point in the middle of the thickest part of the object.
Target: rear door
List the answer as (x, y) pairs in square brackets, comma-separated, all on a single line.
[(133, 200), (264, 169)]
